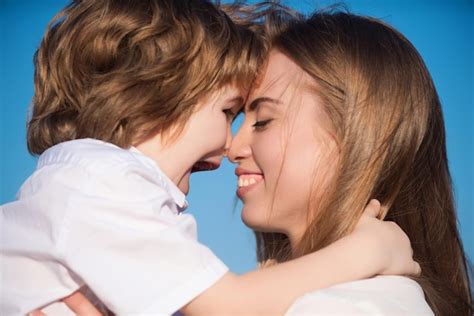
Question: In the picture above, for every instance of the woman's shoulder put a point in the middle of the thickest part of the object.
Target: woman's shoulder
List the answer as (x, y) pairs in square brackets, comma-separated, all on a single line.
[(382, 295)]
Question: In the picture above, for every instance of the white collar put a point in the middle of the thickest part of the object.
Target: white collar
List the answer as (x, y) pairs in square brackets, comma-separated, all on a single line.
[(178, 196)]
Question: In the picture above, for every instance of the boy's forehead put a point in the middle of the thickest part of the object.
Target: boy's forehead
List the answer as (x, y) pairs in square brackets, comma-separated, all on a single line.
[(232, 90), (229, 92)]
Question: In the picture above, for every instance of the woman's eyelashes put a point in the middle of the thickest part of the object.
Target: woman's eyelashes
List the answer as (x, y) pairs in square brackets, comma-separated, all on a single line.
[(261, 125)]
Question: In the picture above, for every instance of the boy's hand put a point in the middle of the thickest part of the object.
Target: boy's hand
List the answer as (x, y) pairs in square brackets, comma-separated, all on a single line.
[(385, 242), (77, 303)]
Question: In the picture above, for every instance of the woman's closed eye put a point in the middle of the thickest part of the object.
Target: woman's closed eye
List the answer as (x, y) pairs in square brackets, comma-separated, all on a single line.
[(261, 125)]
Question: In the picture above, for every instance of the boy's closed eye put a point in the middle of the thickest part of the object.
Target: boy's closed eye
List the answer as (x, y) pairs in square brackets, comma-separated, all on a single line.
[(234, 112), (230, 114)]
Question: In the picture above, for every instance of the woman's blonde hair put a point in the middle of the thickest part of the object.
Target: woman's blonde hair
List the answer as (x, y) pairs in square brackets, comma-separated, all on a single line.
[(388, 123), (122, 70)]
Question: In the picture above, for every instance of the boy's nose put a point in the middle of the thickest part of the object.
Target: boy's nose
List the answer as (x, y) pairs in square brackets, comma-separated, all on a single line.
[(228, 140)]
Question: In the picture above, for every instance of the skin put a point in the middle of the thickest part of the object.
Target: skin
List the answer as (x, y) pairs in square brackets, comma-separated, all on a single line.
[(77, 303), (206, 137), (285, 142)]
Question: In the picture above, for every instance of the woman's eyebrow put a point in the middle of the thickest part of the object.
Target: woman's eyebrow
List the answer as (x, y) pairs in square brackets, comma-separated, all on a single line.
[(255, 103)]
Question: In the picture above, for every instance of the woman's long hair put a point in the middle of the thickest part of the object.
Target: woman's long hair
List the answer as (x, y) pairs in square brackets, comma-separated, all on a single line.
[(389, 126)]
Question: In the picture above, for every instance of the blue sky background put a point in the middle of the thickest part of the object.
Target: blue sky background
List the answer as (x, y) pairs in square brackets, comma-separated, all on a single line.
[(441, 30)]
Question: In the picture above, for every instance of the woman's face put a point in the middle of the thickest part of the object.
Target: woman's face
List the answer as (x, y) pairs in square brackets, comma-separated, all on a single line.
[(284, 150)]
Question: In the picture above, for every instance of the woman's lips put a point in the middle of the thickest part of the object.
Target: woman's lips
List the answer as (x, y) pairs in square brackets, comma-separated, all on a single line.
[(247, 181)]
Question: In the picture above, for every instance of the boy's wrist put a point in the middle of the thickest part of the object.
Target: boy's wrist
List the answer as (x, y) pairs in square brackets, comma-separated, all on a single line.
[(363, 255)]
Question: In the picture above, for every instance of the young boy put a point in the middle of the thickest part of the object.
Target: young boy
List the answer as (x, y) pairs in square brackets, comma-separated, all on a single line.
[(131, 97)]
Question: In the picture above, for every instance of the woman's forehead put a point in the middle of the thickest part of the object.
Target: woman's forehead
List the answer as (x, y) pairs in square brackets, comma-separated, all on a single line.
[(280, 76)]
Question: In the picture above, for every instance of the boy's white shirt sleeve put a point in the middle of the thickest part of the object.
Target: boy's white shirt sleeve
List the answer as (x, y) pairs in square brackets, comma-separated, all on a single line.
[(137, 253), (112, 227)]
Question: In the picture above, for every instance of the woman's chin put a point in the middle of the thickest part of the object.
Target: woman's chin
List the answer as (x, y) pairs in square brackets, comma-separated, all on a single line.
[(257, 222)]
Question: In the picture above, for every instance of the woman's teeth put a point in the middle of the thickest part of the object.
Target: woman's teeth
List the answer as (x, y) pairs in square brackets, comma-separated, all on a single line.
[(249, 179), (244, 183)]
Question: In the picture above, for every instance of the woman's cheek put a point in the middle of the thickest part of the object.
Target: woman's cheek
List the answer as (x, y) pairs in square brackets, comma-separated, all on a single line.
[(268, 152)]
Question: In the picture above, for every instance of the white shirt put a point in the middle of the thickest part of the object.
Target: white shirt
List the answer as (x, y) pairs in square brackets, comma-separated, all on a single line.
[(382, 295), (93, 213)]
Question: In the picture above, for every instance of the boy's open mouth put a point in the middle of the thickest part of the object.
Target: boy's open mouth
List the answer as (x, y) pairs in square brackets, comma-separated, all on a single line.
[(204, 166)]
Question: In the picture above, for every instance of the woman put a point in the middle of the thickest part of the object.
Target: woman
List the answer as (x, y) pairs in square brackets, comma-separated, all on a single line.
[(346, 111)]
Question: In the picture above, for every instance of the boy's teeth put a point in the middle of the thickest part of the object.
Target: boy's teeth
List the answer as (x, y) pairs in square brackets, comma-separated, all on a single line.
[(246, 180)]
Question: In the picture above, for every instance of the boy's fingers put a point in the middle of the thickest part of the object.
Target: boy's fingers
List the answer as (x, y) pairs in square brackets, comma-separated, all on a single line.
[(372, 209), (36, 313), (80, 305)]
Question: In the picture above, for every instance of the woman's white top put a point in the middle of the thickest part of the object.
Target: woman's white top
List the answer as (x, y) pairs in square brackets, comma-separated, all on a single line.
[(93, 213), (382, 295)]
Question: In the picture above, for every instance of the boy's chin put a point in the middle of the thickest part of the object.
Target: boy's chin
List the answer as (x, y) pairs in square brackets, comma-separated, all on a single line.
[(184, 189), (183, 185)]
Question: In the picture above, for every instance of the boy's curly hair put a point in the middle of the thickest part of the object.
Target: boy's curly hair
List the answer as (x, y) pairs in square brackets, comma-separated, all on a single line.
[(122, 70)]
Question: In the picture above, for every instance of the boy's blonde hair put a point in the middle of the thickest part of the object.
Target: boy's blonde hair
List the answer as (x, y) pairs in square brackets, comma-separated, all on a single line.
[(123, 70)]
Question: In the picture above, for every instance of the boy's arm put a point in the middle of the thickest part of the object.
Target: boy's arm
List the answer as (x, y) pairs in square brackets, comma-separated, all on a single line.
[(375, 247)]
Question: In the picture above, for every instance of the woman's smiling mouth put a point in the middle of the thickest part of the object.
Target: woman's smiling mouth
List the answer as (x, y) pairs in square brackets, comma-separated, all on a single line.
[(247, 180)]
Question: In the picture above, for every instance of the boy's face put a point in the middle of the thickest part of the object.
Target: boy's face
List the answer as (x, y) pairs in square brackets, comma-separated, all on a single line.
[(204, 140)]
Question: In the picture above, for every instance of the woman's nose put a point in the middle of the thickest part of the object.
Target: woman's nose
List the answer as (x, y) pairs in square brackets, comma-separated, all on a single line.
[(240, 147)]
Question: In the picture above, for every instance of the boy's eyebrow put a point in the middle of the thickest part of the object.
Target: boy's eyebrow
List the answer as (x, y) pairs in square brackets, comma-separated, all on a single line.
[(237, 100), (255, 103)]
